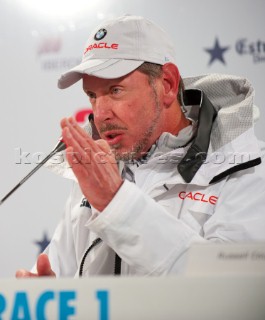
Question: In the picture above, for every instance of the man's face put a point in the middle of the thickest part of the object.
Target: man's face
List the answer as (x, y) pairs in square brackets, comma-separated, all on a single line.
[(127, 112)]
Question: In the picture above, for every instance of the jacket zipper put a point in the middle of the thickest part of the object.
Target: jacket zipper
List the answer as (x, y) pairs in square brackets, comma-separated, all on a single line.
[(117, 266), (94, 243)]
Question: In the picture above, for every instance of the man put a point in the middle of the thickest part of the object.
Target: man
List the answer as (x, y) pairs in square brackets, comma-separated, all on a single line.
[(189, 166)]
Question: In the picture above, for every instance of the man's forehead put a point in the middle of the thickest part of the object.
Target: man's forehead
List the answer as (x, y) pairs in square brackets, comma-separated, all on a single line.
[(90, 81)]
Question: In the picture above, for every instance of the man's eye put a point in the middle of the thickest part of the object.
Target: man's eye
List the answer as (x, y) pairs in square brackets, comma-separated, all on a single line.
[(116, 90), (91, 95)]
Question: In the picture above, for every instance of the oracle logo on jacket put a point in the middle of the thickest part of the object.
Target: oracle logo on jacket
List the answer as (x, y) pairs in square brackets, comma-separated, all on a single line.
[(198, 196)]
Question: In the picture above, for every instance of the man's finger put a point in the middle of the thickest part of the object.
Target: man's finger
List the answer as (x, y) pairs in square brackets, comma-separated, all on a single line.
[(44, 266), (25, 274), (103, 145), (78, 132)]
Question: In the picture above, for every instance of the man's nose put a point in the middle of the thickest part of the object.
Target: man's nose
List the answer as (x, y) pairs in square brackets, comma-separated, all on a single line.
[(102, 108)]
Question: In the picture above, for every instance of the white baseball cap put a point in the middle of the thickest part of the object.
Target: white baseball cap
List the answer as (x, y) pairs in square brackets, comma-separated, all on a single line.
[(119, 46)]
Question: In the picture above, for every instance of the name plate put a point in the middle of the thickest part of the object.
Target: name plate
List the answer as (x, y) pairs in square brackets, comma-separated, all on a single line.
[(226, 259)]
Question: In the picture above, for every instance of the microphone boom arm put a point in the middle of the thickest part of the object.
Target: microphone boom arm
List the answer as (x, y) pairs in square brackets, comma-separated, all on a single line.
[(59, 147)]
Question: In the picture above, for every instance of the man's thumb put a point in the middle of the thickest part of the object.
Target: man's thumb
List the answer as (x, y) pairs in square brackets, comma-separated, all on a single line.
[(44, 266)]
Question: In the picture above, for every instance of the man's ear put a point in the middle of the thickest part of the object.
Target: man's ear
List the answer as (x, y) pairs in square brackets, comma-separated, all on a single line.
[(171, 78)]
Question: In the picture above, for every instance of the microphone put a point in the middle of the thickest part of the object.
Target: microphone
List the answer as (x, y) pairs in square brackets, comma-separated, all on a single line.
[(59, 147)]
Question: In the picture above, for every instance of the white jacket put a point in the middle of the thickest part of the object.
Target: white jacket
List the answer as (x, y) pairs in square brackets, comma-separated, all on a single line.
[(212, 189)]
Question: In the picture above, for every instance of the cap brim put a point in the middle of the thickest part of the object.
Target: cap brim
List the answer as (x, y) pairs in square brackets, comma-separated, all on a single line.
[(101, 68)]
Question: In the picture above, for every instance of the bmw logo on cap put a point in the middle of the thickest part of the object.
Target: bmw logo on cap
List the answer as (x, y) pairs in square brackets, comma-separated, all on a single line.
[(100, 34)]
